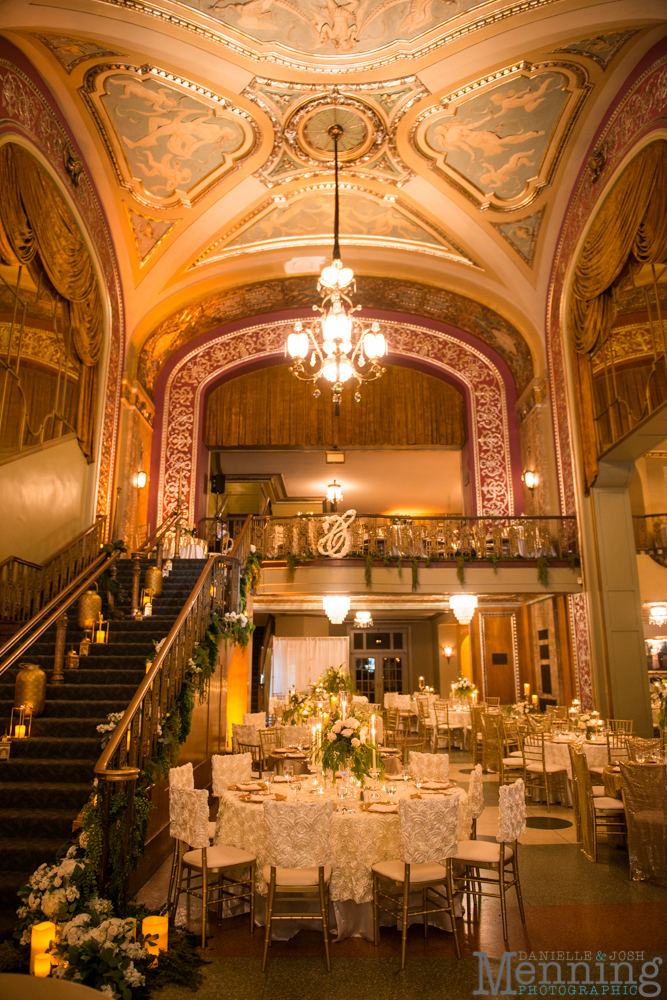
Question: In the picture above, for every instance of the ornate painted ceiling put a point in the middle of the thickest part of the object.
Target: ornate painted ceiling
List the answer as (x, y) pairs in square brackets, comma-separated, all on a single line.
[(205, 127)]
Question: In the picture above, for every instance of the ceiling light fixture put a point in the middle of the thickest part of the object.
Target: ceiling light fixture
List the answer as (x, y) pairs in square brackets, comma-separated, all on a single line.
[(345, 350), (463, 606), (334, 493), (336, 606), (363, 619), (657, 614)]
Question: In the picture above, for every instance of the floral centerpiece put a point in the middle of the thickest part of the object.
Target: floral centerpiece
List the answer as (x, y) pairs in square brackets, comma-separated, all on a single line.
[(299, 709), (335, 680), (345, 742), (463, 688)]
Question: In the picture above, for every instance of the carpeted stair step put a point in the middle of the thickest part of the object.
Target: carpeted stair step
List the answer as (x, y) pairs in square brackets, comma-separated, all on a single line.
[(57, 748), (9, 901), (49, 795), (65, 728), (103, 691), (71, 709), (47, 770), (22, 822), (29, 854)]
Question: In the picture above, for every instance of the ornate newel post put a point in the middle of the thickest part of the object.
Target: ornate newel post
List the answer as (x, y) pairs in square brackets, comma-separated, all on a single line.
[(136, 587), (58, 675)]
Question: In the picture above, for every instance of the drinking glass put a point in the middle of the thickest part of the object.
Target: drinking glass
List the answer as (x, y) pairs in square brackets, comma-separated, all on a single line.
[(267, 777), (288, 771), (641, 756), (296, 787), (341, 790), (391, 789)]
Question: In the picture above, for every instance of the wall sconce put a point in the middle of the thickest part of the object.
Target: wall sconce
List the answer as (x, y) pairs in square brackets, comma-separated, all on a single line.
[(141, 479), (449, 652), (531, 479), (20, 722), (334, 494)]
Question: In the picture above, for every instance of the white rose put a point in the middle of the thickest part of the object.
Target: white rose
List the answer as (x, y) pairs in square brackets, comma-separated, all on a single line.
[(353, 723), (355, 742), (348, 732), (337, 726), (331, 737), (253, 548)]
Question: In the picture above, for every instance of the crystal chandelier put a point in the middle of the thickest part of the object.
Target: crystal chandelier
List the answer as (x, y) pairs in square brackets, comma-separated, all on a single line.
[(336, 606), (657, 614), (463, 606), (363, 619), (341, 349)]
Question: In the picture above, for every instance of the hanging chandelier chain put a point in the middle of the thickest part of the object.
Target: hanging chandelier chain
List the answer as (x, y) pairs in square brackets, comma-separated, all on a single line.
[(336, 132)]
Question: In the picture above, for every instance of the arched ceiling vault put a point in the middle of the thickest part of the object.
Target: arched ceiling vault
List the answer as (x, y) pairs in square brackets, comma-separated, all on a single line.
[(203, 125)]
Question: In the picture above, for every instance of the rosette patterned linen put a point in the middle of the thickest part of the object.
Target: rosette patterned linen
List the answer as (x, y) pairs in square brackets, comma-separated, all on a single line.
[(181, 777), (256, 719), (512, 812), (476, 792), (296, 734), (299, 833), (247, 735), (429, 829), (429, 765), (188, 815), (230, 770)]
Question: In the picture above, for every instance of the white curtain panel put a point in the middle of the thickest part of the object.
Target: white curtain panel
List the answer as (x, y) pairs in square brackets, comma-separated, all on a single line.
[(301, 661)]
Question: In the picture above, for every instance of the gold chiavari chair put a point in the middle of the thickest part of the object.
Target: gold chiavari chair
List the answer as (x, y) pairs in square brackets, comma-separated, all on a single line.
[(541, 775), (255, 750), (621, 725), (476, 714), (494, 702), (636, 744), (427, 728), (492, 741), (512, 761), (617, 750), (593, 812), (269, 739)]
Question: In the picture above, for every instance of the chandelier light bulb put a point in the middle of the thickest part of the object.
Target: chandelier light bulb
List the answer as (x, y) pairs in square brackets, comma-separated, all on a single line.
[(530, 479), (336, 277), (297, 345), (141, 479), (336, 606), (463, 606), (375, 346), (658, 614)]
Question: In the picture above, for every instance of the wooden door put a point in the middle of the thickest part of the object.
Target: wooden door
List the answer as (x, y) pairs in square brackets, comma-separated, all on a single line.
[(498, 636)]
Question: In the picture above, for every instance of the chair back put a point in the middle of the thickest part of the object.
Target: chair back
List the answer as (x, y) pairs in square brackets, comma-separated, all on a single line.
[(429, 828), (299, 833), (188, 816), (511, 812), (645, 795), (583, 788), (476, 792), (297, 734), (181, 777), (228, 769), (429, 765), (621, 725), (391, 699), (359, 699), (256, 719), (492, 740), (269, 739), (492, 701), (247, 735), (535, 725), (636, 744), (617, 747)]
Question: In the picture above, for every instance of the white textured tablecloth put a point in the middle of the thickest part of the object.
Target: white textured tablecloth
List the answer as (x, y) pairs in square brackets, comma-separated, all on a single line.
[(359, 838), (558, 753), (193, 550)]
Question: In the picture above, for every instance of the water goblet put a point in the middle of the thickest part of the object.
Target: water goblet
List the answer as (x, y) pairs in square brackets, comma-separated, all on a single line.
[(641, 756), (267, 778), (288, 771), (391, 789), (296, 787)]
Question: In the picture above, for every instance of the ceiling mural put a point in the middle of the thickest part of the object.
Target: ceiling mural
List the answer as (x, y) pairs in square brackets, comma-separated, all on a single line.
[(500, 144), (366, 219), (522, 234), (326, 27), (302, 115), (409, 297), (601, 49), (70, 52), (148, 232), (168, 139)]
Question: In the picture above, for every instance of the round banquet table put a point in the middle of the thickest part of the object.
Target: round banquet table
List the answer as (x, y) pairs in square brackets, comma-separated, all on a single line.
[(277, 760), (193, 550), (359, 840), (556, 752)]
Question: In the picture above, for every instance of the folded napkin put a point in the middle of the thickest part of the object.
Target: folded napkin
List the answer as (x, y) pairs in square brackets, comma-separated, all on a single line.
[(378, 807), (280, 777), (257, 798), (436, 784), (297, 756), (251, 786)]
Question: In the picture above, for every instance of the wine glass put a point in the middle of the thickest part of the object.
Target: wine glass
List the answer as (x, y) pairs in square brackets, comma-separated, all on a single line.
[(641, 756), (267, 778), (296, 787), (288, 771), (391, 789)]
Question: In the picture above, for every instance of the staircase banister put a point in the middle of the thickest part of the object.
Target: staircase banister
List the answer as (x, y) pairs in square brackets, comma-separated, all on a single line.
[(56, 555), (121, 729), (241, 535), (52, 611), (160, 531), (21, 562)]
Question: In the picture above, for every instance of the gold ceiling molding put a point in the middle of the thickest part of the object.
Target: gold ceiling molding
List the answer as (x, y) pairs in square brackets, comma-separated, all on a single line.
[(600, 48), (522, 234), (170, 140), (305, 219), (71, 52), (499, 139), (301, 114), (148, 232), (427, 43)]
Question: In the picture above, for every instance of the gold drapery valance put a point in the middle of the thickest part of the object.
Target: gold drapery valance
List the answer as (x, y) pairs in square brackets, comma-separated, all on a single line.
[(38, 231), (271, 408), (631, 223)]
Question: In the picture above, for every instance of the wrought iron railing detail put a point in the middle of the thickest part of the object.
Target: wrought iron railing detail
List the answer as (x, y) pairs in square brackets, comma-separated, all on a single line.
[(428, 538)]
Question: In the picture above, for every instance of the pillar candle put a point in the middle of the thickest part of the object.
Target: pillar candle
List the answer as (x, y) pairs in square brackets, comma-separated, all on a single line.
[(373, 739), (19, 732), (159, 926), (535, 700), (526, 691), (42, 966), (41, 936)]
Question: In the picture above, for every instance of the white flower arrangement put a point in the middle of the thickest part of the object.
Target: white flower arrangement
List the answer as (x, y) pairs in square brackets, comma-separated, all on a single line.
[(107, 728), (345, 739), (52, 892), (99, 950), (463, 686)]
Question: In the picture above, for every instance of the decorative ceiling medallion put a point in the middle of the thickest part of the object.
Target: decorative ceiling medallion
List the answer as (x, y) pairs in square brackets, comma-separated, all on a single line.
[(498, 140), (70, 52), (307, 219), (148, 232), (522, 234), (169, 140), (301, 116), (601, 49)]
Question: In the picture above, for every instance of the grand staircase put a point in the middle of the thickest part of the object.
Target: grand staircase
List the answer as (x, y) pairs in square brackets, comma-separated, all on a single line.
[(48, 777)]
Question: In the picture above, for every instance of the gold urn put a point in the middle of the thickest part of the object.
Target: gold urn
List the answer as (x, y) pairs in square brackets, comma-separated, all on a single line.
[(30, 688), (153, 580), (90, 606)]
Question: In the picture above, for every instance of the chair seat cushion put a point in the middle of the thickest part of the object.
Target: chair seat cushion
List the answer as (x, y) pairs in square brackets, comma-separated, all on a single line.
[(219, 856), (606, 804), (476, 852), (395, 870), (549, 769), (296, 876), (516, 753), (513, 761)]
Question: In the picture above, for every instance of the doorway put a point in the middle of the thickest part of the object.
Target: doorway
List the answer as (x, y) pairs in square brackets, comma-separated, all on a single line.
[(379, 662)]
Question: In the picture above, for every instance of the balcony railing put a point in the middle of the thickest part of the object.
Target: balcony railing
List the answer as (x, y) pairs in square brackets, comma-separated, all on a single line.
[(431, 538), (651, 532)]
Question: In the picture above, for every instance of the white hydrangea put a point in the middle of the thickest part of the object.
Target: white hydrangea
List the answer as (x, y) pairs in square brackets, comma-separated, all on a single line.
[(355, 742), (347, 732)]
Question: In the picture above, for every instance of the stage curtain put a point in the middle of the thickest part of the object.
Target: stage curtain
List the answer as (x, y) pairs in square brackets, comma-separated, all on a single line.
[(632, 225), (38, 231), (270, 407)]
